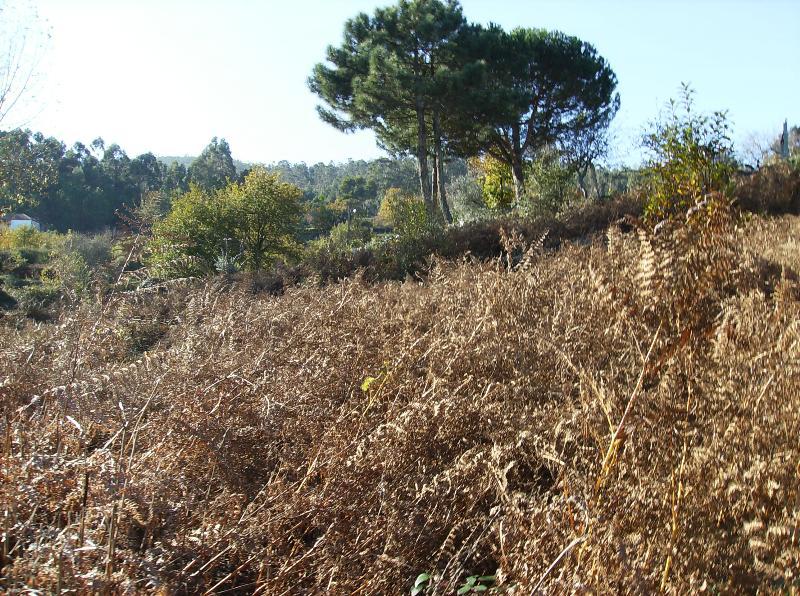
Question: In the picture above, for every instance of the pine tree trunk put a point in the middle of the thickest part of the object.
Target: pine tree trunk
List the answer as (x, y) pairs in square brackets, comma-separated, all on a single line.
[(516, 166), (435, 178), (519, 179), (439, 173), (593, 180), (422, 155)]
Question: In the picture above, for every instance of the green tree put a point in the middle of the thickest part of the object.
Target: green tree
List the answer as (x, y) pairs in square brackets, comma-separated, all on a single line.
[(356, 193), (547, 90), (553, 183), (495, 180), (255, 220), (321, 216), (386, 77), (176, 179), (147, 172), (391, 199), (214, 168), (407, 214), (29, 166)]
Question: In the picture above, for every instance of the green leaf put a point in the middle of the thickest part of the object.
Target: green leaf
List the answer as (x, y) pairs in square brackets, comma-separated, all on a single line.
[(365, 387), (422, 578), (487, 578), (420, 583), (480, 588), (464, 589)]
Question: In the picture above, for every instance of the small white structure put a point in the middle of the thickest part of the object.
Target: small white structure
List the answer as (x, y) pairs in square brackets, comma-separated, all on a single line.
[(20, 220)]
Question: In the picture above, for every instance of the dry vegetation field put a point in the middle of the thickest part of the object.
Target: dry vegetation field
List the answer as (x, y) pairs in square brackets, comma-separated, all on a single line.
[(617, 416)]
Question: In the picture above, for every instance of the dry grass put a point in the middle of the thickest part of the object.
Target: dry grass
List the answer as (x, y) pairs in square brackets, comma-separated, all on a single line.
[(617, 417)]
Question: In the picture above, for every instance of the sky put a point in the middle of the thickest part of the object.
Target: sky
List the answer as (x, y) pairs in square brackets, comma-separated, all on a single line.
[(167, 75)]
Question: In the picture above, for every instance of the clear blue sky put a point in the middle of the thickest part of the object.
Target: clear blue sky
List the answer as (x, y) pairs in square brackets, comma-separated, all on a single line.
[(167, 75)]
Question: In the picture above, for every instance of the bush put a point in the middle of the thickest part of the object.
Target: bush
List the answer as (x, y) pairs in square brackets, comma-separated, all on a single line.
[(773, 189), (10, 259), (29, 238), (418, 234), (691, 156), (466, 197), (552, 185), (94, 249), (495, 180), (351, 234), (69, 274), (255, 220), (36, 300)]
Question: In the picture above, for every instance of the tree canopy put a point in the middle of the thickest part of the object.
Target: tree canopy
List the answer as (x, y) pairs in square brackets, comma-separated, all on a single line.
[(388, 75), (432, 85), (554, 91), (214, 168)]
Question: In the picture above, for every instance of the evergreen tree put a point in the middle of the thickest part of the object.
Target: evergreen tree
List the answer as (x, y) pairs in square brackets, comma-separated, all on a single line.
[(214, 168), (385, 76), (553, 92)]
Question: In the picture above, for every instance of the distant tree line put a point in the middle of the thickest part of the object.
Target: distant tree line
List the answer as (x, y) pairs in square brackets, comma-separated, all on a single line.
[(84, 187)]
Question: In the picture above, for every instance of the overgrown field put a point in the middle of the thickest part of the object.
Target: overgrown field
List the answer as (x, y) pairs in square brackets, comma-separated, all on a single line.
[(621, 415)]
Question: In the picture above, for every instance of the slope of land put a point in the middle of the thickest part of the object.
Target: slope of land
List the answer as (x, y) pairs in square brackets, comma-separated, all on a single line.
[(617, 416)]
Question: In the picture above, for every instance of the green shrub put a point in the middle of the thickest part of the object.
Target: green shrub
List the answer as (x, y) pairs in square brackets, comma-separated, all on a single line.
[(552, 185), (28, 246), (95, 249), (418, 234), (10, 259), (256, 219), (691, 156), (36, 299), (330, 265), (466, 197), (68, 273), (342, 252), (495, 181), (353, 234), (29, 238), (412, 220)]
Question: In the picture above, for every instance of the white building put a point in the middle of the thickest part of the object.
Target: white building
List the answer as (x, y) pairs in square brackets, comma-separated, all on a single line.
[(20, 220)]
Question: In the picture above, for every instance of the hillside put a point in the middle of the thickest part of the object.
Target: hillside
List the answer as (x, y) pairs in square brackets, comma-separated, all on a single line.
[(619, 415)]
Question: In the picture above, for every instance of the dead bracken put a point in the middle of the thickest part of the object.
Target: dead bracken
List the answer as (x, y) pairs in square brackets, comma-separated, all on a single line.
[(619, 415)]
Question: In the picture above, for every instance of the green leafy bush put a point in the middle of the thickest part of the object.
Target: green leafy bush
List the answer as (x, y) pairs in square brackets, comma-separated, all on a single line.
[(68, 273), (495, 180), (10, 259), (94, 249), (418, 233), (30, 245), (257, 219), (37, 299), (552, 185), (691, 155), (353, 234), (28, 238), (466, 197)]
